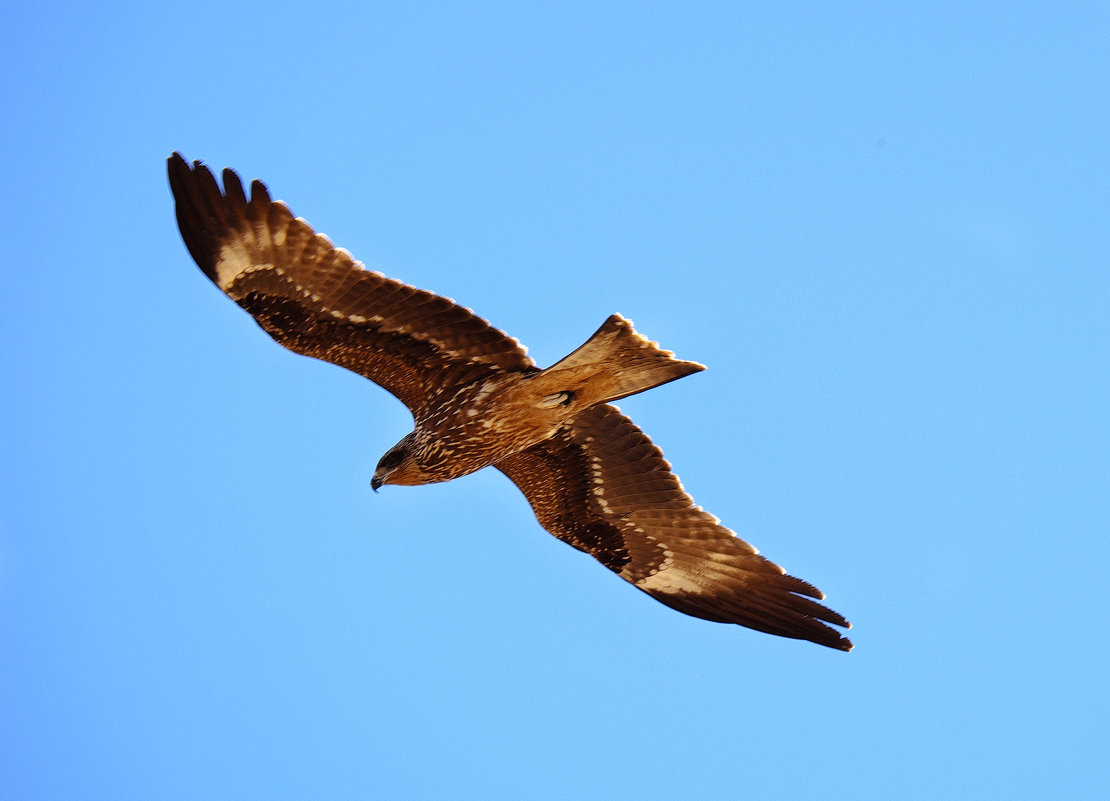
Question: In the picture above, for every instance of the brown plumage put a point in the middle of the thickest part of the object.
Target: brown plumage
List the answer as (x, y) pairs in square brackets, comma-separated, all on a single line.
[(593, 478)]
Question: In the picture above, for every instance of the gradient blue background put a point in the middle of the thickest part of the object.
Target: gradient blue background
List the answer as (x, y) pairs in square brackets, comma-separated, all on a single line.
[(884, 228)]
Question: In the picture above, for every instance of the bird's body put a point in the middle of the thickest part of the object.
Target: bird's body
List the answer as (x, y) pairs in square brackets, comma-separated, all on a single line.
[(490, 419), (592, 477)]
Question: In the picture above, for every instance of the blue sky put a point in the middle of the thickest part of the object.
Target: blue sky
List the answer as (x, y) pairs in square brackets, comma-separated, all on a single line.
[(882, 227)]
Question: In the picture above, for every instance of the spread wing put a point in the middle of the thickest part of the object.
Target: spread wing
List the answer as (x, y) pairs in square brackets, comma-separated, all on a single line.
[(603, 487), (315, 299)]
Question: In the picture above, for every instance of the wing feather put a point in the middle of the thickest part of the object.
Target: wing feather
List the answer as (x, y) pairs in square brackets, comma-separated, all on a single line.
[(316, 300), (603, 487)]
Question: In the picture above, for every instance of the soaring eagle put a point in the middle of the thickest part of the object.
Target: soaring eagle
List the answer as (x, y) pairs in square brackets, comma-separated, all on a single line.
[(592, 477)]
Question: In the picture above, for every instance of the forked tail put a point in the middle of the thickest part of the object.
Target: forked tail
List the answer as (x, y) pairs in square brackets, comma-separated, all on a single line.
[(614, 363)]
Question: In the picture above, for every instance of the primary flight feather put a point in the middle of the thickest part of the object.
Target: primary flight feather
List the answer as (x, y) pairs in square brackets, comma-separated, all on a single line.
[(592, 477)]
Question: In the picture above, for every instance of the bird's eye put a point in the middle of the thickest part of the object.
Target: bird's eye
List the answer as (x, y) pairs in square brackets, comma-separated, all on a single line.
[(392, 459)]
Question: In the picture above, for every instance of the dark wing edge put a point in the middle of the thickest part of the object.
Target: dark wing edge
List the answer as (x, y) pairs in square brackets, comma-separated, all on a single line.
[(603, 487), (316, 300)]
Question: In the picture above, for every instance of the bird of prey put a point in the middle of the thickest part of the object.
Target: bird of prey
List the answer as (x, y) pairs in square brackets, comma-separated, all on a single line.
[(592, 477)]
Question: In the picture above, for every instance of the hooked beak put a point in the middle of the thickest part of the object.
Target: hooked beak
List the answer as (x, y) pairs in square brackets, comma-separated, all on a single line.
[(375, 483)]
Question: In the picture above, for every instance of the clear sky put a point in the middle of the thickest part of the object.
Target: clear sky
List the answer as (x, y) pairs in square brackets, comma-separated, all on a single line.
[(884, 227)]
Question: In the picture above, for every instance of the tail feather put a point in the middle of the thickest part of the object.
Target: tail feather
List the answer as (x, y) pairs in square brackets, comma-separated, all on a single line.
[(614, 363)]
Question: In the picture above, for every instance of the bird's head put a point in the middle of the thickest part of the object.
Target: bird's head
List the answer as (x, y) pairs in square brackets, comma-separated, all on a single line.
[(399, 466)]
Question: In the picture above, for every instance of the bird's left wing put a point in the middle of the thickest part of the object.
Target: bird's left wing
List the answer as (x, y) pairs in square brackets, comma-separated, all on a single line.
[(603, 487), (316, 300)]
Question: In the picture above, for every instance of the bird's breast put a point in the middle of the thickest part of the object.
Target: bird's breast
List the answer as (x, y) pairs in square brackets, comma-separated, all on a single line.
[(483, 423)]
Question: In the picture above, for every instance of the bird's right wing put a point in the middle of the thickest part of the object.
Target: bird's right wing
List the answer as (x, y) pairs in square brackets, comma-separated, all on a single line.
[(315, 299), (603, 487)]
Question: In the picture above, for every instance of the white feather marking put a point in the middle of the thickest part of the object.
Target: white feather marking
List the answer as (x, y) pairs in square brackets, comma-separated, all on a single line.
[(234, 260), (551, 401), (484, 390), (670, 581)]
